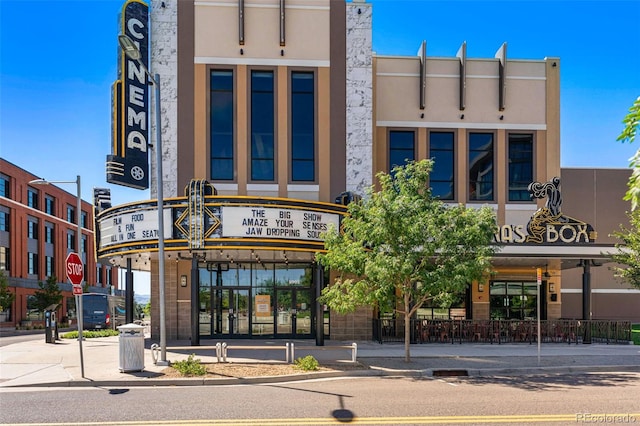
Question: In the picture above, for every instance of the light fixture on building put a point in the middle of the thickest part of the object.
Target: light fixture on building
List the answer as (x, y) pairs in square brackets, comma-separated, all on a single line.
[(480, 287)]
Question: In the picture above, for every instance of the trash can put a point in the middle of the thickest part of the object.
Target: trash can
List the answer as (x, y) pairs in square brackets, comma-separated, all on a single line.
[(131, 347)]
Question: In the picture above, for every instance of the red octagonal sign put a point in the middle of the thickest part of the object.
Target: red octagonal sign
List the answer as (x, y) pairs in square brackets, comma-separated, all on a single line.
[(75, 268)]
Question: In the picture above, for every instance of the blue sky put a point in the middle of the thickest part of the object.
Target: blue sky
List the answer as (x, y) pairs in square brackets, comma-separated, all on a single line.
[(58, 61)]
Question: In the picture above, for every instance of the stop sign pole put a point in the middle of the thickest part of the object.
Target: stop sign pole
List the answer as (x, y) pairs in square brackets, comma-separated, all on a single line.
[(75, 274)]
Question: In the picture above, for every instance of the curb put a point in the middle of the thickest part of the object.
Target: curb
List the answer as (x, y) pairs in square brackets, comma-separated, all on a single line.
[(197, 381), (371, 372)]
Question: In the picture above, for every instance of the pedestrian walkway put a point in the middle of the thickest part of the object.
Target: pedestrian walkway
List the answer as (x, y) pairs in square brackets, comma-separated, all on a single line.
[(36, 363)]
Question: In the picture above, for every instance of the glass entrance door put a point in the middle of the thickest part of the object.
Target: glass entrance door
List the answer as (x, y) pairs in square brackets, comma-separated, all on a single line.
[(230, 312), (293, 312)]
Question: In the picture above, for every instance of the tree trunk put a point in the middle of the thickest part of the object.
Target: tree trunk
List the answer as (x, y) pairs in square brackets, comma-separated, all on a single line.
[(407, 329)]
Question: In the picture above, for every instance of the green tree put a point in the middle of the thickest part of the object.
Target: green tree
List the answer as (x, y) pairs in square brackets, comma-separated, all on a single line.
[(6, 296), (631, 122), (629, 251), (403, 242), (147, 309), (49, 293)]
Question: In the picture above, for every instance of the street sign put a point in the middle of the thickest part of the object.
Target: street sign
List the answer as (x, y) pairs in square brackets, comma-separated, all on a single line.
[(75, 269), (77, 289)]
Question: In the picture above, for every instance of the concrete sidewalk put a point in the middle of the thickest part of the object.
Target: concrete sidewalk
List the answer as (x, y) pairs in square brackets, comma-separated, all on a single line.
[(36, 363)]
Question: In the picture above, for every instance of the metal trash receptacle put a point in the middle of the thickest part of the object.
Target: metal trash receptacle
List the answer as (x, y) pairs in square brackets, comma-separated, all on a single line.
[(131, 347)]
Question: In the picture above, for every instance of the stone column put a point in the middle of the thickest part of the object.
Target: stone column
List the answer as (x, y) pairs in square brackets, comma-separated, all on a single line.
[(359, 97)]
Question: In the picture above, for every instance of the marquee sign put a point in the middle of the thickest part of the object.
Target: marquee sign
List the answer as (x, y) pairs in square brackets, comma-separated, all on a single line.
[(548, 225), (269, 222), (128, 163), (133, 227)]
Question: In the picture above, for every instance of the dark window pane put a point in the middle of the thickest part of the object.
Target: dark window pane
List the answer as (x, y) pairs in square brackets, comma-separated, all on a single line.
[(302, 126), (442, 190), (222, 130), (401, 148), (520, 166), (222, 169), (481, 166), (262, 169), (442, 180), (302, 170), (222, 80), (442, 167), (262, 126)]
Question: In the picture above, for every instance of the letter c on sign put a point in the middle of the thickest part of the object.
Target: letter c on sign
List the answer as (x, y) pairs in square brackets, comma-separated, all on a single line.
[(132, 26)]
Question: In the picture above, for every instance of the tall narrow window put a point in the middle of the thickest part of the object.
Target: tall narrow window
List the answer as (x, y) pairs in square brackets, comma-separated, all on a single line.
[(481, 166), (32, 263), (401, 147), (49, 205), (222, 135), (49, 266), (32, 229), (71, 214), (262, 126), (4, 221), (4, 186), (520, 166), (5, 258), (71, 241), (49, 232), (441, 179), (32, 198), (302, 126), (83, 220)]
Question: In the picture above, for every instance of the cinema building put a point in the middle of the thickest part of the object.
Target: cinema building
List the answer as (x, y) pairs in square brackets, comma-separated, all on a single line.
[(276, 113)]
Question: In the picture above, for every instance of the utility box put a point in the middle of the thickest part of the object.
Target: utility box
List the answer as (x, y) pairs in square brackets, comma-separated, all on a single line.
[(131, 347)]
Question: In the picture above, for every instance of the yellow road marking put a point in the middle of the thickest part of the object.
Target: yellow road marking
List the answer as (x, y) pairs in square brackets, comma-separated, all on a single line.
[(517, 418)]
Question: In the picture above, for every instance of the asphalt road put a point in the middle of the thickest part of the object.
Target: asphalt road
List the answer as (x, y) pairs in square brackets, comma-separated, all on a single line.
[(562, 399)]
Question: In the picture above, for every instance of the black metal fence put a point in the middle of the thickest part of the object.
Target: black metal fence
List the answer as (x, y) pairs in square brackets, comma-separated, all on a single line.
[(502, 331)]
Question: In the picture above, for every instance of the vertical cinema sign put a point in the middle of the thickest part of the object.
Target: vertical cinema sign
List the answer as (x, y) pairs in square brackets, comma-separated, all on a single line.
[(128, 164)]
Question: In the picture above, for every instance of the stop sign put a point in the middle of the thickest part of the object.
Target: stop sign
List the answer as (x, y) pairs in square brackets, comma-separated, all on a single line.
[(75, 268)]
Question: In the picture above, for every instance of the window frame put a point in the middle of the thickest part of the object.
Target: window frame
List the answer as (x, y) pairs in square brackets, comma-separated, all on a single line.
[(5, 186), (527, 198), (32, 263), (391, 131), (32, 198), (493, 166), (314, 149), (454, 134), (254, 178), (50, 205), (233, 157)]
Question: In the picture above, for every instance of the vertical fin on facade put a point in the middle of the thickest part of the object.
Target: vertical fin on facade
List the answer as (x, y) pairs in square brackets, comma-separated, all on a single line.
[(241, 22), (282, 38), (423, 74), (462, 56), (501, 54)]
